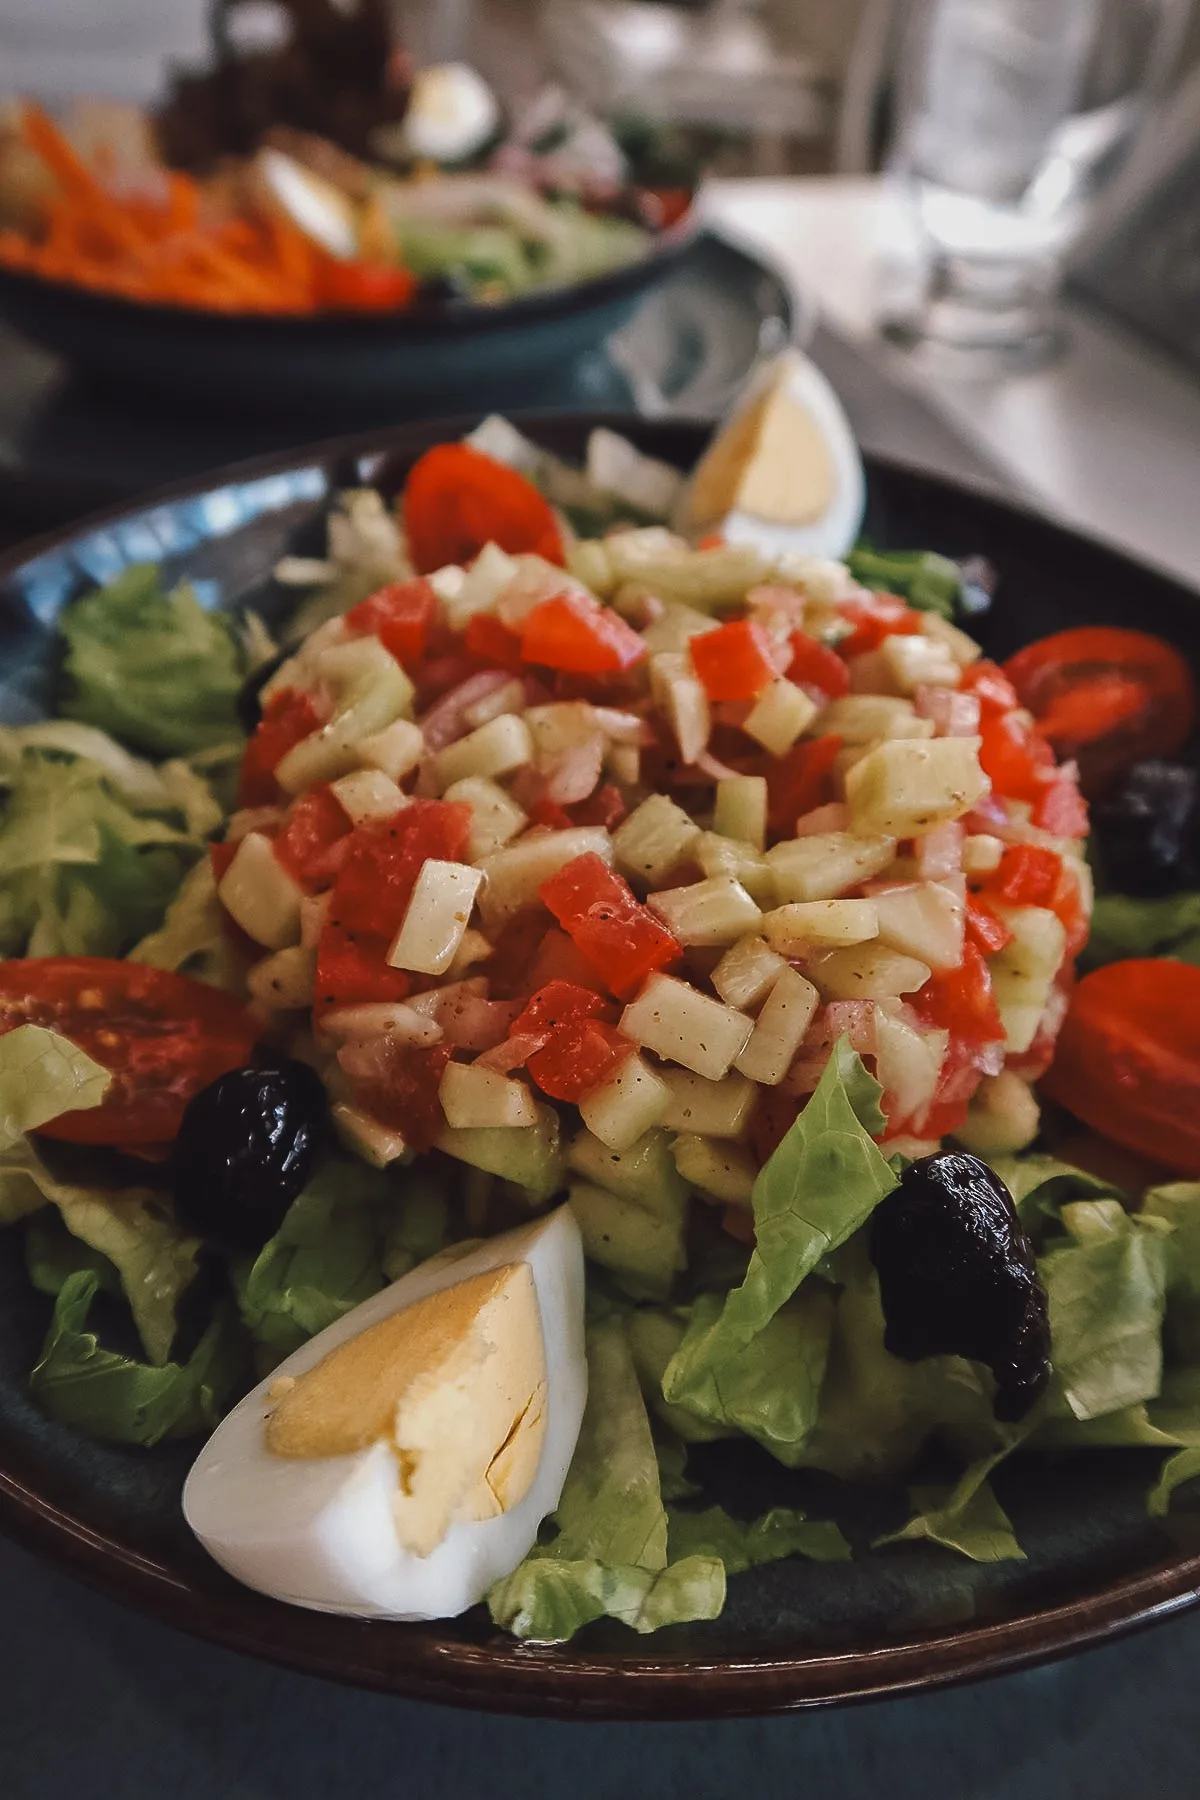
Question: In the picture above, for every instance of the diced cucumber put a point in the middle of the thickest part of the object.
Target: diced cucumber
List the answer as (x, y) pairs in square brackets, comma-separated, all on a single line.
[(719, 1109), (864, 718), (645, 1252), (477, 1099), (675, 628), (375, 1142), (824, 865), (780, 1029), (739, 860), (908, 1064), (907, 787), (716, 911), (779, 716), (284, 982), (913, 662), (495, 816), (866, 972), (721, 1169), (682, 1025), (482, 586), (684, 699), (656, 837), (800, 925), (1023, 973), (437, 917), (925, 919), (626, 1106), (741, 809), (395, 751), (645, 1173), (654, 1337), (747, 972), (367, 794), (515, 873), (259, 895), (371, 691), (529, 1156), (497, 748)]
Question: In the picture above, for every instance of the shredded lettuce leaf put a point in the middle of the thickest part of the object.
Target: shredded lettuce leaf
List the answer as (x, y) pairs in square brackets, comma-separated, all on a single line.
[(929, 582), (41, 1076), (1106, 1287), (121, 1400), (155, 669), (821, 1184), (966, 1517), (131, 1227), (744, 1545), (192, 938), (1124, 927)]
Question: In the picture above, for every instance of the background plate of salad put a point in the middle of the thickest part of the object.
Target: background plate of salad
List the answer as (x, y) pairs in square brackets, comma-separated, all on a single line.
[(882, 1517)]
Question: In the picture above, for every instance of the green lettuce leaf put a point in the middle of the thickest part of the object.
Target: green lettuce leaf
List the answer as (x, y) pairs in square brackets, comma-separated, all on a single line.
[(192, 938), (1178, 1204), (130, 1227), (53, 1255), (92, 849), (966, 1517), (326, 1257), (610, 1556), (1040, 1185), (820, 1185), (419, 1226), (41, 1076), (930, 582), (153, 668), (1124, 927), (1106, 1287), (739, 1545), (107, 1395)]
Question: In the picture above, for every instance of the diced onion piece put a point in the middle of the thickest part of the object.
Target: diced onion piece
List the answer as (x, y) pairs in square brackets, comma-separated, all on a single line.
[(864, 718), (716, 1168), (497, 748), (741, 809), (908, 1064), (938, 853), (747, 972), (656, 837), (622, 1236), (717, 911), (780, 715), (823, 819), (626, 1105), (515, 873), (367, 794), (480, 587), (474, 948), (624, 763), (917, 661), (825, 864), (684, 700), (954, 714), (481, 1099), (675, 627), (380, 1019), (906, 787), (285, 981), (682, 1025), (371, 689), (495, 816), (780, 1029), (437, 917), (719, 1109), (395, 751), (962, 648), (506, 699), (1024, 971), (866, 972), (982, 853), (925, 919), (794, 928), (376, 1143), (259, 895)]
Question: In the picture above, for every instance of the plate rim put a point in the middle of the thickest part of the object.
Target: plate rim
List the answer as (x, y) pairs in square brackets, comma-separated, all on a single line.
[(502, 1675)]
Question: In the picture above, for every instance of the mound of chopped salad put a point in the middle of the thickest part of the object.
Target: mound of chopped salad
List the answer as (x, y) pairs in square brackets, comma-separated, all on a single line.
[(549, 854)]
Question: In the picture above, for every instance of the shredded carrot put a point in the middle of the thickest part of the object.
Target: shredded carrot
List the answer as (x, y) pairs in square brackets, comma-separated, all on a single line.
[(182, 246)]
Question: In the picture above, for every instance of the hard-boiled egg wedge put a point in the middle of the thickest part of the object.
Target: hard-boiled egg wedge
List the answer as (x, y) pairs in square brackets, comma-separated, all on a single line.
[(452, 112), (402, 1461), (322, 212), (784, 473)]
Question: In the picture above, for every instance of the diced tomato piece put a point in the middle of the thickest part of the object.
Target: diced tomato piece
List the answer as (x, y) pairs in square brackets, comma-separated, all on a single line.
[(352, 970), (799, 782), (958, 1082), (573, 633), (961, 1000), (579, 1057), (407, 1099), (363, 287), (220, 856), (386, 856), (558, 1003), (313, 842), (289, 716), (990, 685), (1014, 759), (620, 937), (1027, 876), (734, 661), (880, 617), (492, 641), (814, 664), (515, 951), (1067, 902), (711, 540), (604, 807), (437, 675), (1061, 809), (985, 928), (400, 616), (456, 500), (1032, 1064), (550, 813)]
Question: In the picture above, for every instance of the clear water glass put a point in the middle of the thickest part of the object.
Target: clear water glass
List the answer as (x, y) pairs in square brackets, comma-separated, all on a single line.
[(1010, 117)]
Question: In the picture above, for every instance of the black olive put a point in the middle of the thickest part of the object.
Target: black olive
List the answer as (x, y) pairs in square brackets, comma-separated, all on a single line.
[(248, 1144), (957, 1276), (1146, 829), (247, 703)]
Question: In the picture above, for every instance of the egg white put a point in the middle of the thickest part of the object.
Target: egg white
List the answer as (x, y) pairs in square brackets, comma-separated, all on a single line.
[(320, 1532)]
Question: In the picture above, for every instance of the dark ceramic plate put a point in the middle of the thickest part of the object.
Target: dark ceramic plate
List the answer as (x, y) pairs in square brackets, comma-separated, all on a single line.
[(795, 1634), (293, 366)]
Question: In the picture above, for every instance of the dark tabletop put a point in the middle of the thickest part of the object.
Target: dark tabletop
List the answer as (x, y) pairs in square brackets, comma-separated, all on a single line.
[(96, 1704)]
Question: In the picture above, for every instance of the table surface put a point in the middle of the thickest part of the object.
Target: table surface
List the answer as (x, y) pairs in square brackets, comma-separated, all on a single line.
[(86, 1687)]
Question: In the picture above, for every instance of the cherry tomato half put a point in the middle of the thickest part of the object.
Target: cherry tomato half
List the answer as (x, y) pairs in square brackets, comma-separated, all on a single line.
[(162, 1036), (1106, 696), (1128, 1059)]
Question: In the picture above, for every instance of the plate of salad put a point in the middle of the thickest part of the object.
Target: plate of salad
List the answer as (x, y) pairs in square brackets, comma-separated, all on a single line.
[(582, 1083)]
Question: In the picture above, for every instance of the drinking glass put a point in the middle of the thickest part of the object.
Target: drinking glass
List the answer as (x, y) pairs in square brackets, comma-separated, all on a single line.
[(1010, 117)]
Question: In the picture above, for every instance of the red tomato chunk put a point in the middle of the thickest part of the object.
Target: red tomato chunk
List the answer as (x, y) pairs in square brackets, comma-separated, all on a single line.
[(580, 1057), (1027, 876), (571, 632), (407, 1099), (961, 1000), (288, 718), (456, 500), (621, 938), (815, 665), (733, 662), (986, 929), (400, 616), (557, 1004), (313, 842)]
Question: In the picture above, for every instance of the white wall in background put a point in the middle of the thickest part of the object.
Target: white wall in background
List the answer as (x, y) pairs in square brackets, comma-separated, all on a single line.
[(117, 48)]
